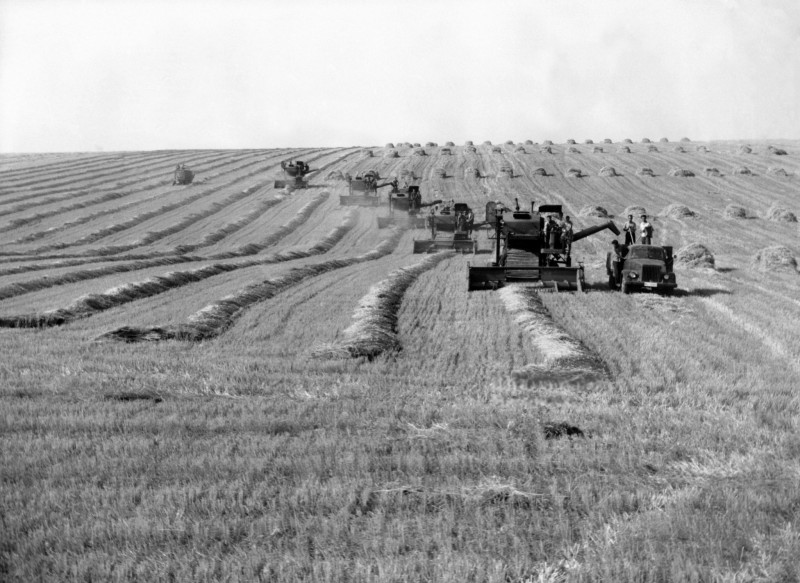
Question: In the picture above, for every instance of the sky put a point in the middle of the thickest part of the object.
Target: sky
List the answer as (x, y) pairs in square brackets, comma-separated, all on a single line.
[(110, 75)]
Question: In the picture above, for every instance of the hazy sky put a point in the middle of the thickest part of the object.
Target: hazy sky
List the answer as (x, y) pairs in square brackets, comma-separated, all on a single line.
[(83, 75)]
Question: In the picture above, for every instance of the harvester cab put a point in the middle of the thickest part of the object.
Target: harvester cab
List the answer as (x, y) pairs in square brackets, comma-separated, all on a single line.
[(532, 246), (296, 170), (456, 218), (363, 189), (182, 175)]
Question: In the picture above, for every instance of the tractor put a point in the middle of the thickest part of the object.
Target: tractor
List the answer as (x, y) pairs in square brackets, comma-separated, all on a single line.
[(296, 170), (457, 218), (529, 248), (182, 175), (642, 268), (363, 189)]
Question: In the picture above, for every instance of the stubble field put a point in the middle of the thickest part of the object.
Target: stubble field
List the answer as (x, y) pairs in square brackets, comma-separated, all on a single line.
[(229, 382)]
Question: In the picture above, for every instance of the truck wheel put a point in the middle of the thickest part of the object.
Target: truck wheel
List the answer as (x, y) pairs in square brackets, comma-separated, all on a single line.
[(624, 288)]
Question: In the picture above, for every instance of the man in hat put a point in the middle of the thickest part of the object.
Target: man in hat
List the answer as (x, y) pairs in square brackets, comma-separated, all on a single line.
[(646, 231)]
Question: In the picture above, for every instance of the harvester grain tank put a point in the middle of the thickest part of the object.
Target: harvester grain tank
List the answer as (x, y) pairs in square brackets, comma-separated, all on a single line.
[(296, 170), (529, 248), (182, 175), (405, 207), (457, 218), (644, 268), (363, 189)]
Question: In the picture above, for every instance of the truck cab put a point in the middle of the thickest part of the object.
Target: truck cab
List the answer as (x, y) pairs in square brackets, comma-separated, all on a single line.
[(645, 268)]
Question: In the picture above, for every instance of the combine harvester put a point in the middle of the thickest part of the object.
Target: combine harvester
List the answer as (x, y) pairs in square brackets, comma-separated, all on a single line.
[(182, 175), (457, 218), (363, 189), (523, 253), (406, 200), (296, 170)]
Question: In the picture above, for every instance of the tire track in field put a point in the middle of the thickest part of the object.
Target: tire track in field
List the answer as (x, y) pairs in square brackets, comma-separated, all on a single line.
[(32, 285), (91, 304), (217, 317)]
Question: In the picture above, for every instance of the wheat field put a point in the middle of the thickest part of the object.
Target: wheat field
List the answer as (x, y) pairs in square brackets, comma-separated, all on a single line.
[(225, 381)]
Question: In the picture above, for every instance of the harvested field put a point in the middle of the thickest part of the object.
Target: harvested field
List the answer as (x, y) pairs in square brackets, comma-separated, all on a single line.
[(229, 381)]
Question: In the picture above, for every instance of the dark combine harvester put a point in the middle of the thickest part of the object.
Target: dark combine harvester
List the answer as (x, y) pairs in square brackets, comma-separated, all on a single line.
[(405, 205), (296, 170), (363, 190), (523, 252)]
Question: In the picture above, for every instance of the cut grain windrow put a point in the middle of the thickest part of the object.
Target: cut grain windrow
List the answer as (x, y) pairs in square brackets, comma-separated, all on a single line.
[(20, 288), (91, 304), (20, 222), (565, 359), (53, 195), (215, 318), (374, 327)]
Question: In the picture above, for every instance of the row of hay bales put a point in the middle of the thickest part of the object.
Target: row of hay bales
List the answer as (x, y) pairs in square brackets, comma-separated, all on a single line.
[(680, 211), (774, 259)]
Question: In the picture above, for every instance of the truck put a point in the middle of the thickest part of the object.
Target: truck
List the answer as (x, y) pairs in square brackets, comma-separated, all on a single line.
[(644, 268)]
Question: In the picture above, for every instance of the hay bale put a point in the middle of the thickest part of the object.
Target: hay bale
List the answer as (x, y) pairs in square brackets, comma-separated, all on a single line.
[(539, 172), (440, 172), (680, 172), (417, 145), (597, 150), (645, 140), (652, 148), (574, 173), (573, 150), (496, 149), (588, 141), (472, 149), (636, 211), (627, 141), (430, 145), (608, 172), (777, 258), (419, 152), (593, 211), (487, 143), (529, 142), (695, 256), (712, 171), (777, 171), (776, 151), (677, 211), (389, 145), (734, 211), (607, 141), (509, 142), (449, 144), (624, 150), (367, 153), (335, 175), (445, 152), (391, 154), (546, 150), (468, 143), (470, 172), (664, 140), (702, 149), (745, 150), (644, 172), (685, 140), (571, 141), (781, 215), (521, 149), (679, 149), (547, 143), (507, 170), (743, 170)]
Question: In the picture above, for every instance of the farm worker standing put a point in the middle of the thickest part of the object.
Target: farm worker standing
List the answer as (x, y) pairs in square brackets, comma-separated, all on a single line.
[(566, 235), (646, 230), (630, 231), (618, 254)]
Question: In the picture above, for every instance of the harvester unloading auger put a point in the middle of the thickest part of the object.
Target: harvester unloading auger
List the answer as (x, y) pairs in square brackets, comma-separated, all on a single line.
[(296, 170), (363, 189), (457, 218), (405, 205), (528, 249)]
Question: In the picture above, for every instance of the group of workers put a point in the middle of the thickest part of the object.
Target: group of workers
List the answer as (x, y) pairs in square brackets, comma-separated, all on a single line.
[(620, 251), (558, 232)]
